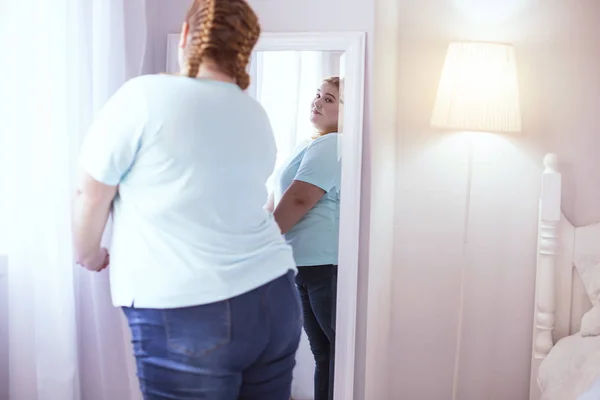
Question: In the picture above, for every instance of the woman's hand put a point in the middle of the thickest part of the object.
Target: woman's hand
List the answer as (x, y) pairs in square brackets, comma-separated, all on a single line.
[(91, 209), (100, 262)]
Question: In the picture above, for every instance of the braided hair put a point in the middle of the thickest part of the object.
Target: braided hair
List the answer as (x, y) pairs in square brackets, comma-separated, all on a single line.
[(224, 31)]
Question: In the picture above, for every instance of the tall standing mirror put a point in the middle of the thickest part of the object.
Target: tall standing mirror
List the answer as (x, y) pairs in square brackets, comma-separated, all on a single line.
[(287, 73)]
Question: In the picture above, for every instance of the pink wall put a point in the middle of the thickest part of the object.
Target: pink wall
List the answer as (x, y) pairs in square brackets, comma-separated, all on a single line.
[(570, 91), (440, 232)]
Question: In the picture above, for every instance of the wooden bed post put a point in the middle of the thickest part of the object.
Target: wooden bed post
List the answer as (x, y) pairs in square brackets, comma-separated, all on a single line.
[(549, 220)]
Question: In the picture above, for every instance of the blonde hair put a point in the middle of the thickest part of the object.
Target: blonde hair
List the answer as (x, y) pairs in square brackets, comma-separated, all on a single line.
[(224, 31), (337, 82), (334, 80)]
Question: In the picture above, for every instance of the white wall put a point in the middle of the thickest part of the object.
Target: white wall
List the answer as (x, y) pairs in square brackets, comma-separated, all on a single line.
[(492, 235)]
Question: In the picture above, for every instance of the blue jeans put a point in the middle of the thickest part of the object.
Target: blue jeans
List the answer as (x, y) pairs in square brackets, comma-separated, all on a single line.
[(318, 289), (241, 348)]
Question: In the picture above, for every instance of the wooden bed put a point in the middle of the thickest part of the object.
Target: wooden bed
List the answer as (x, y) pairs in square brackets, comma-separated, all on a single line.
[(560, 297)]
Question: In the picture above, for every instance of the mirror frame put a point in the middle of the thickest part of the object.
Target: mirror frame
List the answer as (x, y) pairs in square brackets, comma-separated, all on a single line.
[(352, 44)]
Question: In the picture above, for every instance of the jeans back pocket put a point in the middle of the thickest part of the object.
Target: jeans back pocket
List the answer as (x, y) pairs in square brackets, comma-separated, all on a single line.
[(199, 330)]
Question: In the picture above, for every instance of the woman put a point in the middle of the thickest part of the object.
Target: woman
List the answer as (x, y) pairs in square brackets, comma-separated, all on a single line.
[(201, 270), (306, 203)]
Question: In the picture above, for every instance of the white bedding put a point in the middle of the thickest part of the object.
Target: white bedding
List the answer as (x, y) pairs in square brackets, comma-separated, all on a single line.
[(571, 369), (592, 393)]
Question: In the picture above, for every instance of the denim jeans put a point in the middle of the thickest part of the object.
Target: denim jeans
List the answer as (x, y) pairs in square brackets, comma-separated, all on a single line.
[(318, 288), (242, 348)]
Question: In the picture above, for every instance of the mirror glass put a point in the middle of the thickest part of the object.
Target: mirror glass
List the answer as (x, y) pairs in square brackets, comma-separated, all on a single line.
[(286, 83)]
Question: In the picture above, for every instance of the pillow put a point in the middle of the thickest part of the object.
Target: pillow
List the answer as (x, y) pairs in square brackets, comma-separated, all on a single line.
[(590, 323), (589, 271)]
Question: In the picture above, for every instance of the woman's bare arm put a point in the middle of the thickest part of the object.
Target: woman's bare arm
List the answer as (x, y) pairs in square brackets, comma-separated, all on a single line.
[(91, 209), (297, 200)]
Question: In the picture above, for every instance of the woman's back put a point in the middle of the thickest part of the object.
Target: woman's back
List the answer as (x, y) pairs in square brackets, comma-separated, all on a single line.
[(189, 226), (201, 270)]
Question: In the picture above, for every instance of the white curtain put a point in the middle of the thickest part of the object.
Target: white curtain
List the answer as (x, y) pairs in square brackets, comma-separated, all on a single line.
[(285, 83), (61, 60)]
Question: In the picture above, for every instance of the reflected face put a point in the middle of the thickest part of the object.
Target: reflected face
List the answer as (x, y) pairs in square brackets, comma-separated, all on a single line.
[(324, 113)]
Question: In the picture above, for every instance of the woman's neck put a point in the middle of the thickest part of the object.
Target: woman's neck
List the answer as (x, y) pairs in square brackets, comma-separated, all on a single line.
[(209, 70), (320, 134)]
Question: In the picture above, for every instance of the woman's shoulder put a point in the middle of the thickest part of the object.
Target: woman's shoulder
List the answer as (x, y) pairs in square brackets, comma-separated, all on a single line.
[(328, 137), (160, 88), (157, 80), (329, 141), (142, 80), (161, 80), (141, 84)]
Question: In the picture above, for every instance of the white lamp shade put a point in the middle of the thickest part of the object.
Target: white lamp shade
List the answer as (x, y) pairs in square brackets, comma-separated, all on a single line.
[(478, 89)]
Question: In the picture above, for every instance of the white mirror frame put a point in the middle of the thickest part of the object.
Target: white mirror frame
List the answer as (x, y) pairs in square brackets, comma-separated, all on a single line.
[(352, 44)]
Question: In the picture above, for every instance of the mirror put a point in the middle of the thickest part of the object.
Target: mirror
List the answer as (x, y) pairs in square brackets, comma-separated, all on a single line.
[(286, 71), (286, 83)]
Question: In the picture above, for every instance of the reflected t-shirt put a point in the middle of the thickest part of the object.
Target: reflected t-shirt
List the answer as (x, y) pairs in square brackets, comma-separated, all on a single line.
[(318, 162)]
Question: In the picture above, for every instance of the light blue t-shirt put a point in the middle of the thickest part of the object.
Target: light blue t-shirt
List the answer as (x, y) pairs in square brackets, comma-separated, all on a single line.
[(191, 158), (318, 162)]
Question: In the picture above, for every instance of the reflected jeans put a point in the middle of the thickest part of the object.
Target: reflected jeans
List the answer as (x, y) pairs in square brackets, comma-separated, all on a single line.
[(318, 289), (242, 348)]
